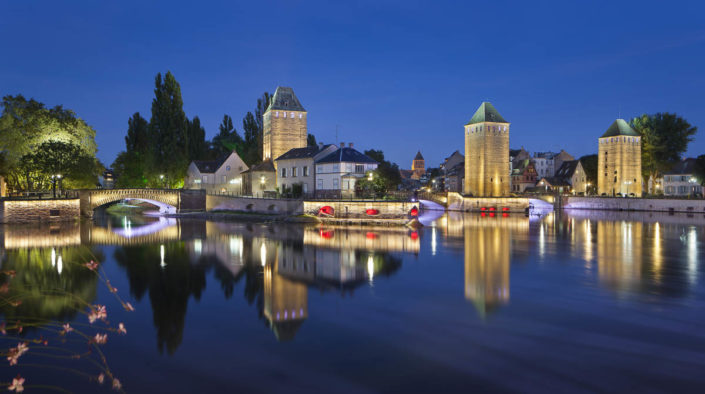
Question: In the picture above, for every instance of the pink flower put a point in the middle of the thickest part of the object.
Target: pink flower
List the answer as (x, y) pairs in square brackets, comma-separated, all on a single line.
[(97, 312), (101, 378), (100, 339), (116, 384), (128, 307), (17, 384), (67, 329), (2, 328), (14, 353), (22, 348), (121, 329), (110, 287), (92, 265)]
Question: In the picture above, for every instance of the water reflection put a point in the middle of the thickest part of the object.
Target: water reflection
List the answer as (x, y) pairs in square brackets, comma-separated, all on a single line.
[(170, 262)]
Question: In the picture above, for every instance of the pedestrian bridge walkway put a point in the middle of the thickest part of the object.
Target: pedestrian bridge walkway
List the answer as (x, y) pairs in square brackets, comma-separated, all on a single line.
[(167, 200)]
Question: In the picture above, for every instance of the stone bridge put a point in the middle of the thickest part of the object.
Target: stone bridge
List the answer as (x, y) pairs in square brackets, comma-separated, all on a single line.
[(167, 200)]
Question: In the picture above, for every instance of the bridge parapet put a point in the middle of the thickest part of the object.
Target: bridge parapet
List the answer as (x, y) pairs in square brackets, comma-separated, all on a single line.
[(168, 200)]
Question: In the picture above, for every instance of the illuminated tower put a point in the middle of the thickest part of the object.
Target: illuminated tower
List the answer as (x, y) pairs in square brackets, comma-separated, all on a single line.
[(487, 153), (619, 162), (284, 125)]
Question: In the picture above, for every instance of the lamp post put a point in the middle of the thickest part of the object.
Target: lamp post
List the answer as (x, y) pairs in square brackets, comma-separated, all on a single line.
[(53, 185), (627, 183), (587, 186), (161, 178)]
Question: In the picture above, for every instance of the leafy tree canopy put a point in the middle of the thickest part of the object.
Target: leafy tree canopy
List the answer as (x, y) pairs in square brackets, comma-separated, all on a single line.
[(665, 137)]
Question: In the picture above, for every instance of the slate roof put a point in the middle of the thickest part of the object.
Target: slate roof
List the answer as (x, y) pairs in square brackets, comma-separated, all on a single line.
[(418, 156), (620, 127), (301, 153), (567, 169), (265, 166), (348, 154), (683, 167), (285, 99), (486, 113), (554, 181), (406, 174), (208, 166)]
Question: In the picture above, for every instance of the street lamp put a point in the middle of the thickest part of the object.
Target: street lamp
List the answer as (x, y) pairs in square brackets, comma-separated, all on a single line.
[(627, 183), (161, 178)]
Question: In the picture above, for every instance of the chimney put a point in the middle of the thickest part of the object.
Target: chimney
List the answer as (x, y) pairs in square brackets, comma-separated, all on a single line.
[(342, 144), (350, 145)]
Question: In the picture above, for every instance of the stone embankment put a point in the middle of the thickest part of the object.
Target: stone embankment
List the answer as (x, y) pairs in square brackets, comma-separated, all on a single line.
[(32, 211), (634, 204)]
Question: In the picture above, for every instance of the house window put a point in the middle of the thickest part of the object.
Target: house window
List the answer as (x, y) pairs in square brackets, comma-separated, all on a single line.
[(359, 168), (319, 169), (283, 172), (305, 187), (276, 114), (205, 179), (227, 168), (293, 172), (335, 183), (305, 172), (301, 116), (346, 185), (336, 167), (292, 115), (320, 183), (223, 179)]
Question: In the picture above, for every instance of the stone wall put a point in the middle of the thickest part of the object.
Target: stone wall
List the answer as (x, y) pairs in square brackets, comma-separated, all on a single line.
[(456, 202), (255, 205), (619, 166), (487, 159), (359, 208), (283, 131), (27, 211), (634, 204)]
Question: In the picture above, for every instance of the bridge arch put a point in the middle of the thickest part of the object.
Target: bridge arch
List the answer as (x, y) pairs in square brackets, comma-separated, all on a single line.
[(168, 201)]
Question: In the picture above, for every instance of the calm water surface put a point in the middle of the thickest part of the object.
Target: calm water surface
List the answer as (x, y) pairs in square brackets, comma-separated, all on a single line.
[(609, 302)]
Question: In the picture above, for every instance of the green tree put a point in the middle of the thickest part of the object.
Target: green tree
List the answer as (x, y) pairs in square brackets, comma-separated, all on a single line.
[(665, 137), (131, 167), (196, 139), (227, 140), (387, 172), (168, 133), (253, 128), (27, 124), (311, 140), (700, 169)]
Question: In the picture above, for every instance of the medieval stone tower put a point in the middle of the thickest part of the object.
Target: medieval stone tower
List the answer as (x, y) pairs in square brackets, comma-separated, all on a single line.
[(619, 161), (284, 124), (487, 154), (418, 165)]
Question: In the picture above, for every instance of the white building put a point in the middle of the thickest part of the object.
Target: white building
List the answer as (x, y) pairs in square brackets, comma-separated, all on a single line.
[(547, 163), (681, 181), (216, 176), (337, 172), (296, 167)]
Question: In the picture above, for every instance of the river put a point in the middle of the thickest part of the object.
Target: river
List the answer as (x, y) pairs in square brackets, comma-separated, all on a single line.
[(582, 301)]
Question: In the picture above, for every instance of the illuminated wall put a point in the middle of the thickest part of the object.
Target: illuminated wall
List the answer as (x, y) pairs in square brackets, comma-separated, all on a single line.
[(487, 156), (24, 211), (619, 163)]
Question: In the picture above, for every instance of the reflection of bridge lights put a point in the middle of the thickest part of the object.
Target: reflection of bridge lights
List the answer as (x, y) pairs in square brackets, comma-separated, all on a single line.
[(53, 257), (197, 246), (263, 254), (59, 265), (692, 255), (127, 226), (433, 241), (161, 255), (370, 267)]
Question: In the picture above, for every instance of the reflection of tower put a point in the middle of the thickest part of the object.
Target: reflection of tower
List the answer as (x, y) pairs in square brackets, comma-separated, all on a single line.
[(619, 259), (285, 303), (487, 251)]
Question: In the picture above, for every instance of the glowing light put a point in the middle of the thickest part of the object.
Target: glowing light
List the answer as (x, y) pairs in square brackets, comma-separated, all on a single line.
[(60, 265), (161, 256), (197, 246), (370, 267), (53, 257), (263, 256), (433, 241)]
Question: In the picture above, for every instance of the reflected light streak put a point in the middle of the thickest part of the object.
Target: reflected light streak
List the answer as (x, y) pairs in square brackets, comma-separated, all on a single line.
[(60, 265), (692, 255), (263, 254), (370, 268), (433, 241), (162, 263)]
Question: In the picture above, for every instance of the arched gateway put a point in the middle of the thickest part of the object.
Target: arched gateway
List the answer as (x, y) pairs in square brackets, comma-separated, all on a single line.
[(168, 200)]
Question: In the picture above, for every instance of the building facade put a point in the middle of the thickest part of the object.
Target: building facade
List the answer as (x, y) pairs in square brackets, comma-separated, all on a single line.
[(572, 173), (219, 176), (487, 153), (523, 176), (284, 124), (681, 181), (619, 161), (260, 180), (338, 172), (418, 166), (297, 167)]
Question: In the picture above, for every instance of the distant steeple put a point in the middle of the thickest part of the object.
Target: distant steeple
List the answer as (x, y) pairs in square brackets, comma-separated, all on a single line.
[(486, 113), (284, 99), (418, 156)]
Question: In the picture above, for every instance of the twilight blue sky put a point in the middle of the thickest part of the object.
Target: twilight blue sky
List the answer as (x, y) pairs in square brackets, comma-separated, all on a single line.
[(396, 76)]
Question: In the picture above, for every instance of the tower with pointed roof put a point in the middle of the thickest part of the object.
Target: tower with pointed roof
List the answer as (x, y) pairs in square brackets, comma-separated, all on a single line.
[(619, 161), (418, 165), (487, 171), (284, 124)]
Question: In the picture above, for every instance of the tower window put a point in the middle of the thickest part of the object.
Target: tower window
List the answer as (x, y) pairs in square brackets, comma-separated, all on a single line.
[(276, 114), (292, 115)]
